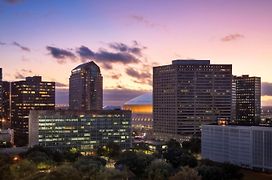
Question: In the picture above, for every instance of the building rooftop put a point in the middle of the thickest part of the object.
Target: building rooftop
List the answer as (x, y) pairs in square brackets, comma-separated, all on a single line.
[(87, 65), (240, 126), (190, 62)]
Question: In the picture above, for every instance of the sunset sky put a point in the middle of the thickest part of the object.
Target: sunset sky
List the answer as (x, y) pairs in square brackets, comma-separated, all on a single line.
[(126, 38)]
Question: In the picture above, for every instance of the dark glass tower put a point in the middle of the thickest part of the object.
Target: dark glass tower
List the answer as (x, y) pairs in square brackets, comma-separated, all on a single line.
[(189, 93), (4, 102), (31, 94), (1, 98), (86, 88), (247, 96)]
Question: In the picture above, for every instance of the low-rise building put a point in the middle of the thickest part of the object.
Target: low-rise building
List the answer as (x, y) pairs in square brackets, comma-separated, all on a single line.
[(142, 111), (6, 137), (83, 130), (245, 146)]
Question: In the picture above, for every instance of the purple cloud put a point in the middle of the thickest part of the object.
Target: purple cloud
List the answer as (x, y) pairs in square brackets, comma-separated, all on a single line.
[(232, 37)]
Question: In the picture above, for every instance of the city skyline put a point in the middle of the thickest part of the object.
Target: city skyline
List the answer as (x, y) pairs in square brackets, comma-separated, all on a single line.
[(127, 39)]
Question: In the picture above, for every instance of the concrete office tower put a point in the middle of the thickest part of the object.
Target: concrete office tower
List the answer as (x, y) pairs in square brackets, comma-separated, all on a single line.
[(83, 130), (86, 87), (189, 93), (26, 95), (247, 100)]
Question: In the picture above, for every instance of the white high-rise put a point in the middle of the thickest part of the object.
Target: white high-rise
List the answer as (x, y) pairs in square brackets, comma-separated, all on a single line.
[(245, 146)]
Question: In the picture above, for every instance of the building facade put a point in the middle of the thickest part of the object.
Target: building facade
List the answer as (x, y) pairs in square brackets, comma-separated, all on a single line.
[(189, 93), (26, 95), (83, 130), (245, 146), (4, 103), (247, 100), (266, 115), (6, 137), (86, 88), (1, 98)]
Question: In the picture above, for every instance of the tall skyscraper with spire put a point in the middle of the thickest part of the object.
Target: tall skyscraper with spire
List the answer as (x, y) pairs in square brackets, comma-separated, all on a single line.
[(86, 87)]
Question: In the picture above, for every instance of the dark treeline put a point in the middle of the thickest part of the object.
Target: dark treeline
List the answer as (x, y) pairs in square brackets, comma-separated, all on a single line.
[(175, 162)]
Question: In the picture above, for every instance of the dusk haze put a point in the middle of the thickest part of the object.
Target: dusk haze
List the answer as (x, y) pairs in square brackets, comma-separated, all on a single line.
[(127, 38), (135, 89)]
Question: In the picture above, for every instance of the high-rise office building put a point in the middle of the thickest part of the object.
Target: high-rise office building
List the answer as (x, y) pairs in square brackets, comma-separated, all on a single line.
[(26, 95), (1, 98), (83, 130), (86, 87), (1, 75), (246, 100), (4, 102), (189, 93)]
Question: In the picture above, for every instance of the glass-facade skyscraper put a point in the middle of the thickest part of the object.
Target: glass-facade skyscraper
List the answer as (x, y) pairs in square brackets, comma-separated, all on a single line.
[(86, 88), (189, 93)]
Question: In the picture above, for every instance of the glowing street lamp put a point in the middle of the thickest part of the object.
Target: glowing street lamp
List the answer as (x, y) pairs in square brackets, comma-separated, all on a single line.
[(15, 158)]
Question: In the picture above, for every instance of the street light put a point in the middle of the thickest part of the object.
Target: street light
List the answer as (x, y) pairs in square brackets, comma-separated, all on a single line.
[(15, 158)]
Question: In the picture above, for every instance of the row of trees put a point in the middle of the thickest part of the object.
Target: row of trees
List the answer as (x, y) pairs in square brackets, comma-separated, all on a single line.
[(172, 163)]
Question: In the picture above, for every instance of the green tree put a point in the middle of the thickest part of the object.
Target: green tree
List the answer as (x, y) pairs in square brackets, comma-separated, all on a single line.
[(176, 156), (159, 170), (22, 169), (101, 151), (193, 146), (65, 171), (90, 167), (41, 159), (187, 159), (113, 150), (211, 172), (135, 162), (186, 173), (231, 171), (112, 174), (173, 153), (5, 162)]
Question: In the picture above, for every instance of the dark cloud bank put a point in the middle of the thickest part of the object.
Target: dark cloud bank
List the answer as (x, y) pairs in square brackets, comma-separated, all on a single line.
[(121, 53)]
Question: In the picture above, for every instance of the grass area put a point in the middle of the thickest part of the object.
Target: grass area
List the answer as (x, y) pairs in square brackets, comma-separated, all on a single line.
[(252, 175)]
